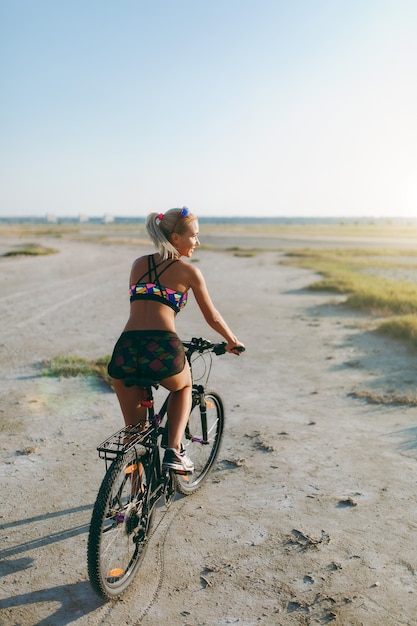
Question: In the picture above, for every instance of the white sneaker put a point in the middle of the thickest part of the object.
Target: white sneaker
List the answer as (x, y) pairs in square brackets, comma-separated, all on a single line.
[(177, 461)]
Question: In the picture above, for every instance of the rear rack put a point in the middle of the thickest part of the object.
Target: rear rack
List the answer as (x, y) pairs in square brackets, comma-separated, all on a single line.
[(122, 441)]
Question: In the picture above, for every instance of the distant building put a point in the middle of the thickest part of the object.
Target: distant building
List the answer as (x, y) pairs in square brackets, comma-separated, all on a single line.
[(51, 218), (83, 219), (108, 219)]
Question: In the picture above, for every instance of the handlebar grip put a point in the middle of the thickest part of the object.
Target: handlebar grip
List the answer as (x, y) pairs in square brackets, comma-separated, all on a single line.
[(220, 348), (204, 345)]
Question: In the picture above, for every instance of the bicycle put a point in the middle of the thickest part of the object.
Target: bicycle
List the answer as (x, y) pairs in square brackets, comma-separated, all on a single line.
[(135, 482)]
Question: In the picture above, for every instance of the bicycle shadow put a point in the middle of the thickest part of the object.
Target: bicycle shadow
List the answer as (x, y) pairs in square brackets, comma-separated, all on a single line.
[(60, 535), (74, 600)]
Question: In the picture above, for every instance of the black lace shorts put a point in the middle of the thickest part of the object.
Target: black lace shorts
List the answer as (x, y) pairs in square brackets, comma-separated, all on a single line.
[(155, 354)]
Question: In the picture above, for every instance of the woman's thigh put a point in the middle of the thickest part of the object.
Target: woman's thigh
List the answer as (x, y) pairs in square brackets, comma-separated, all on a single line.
[(178, 381)]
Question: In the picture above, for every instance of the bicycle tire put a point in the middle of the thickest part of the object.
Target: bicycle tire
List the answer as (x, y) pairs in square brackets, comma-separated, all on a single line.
[(202, 452), (120, 525)]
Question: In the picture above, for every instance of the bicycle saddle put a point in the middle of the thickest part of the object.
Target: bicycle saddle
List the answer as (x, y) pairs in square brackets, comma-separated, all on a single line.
[(143, 383)]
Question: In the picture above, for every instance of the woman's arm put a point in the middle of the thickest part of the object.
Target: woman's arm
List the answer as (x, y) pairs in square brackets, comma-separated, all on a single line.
[(210, 313)]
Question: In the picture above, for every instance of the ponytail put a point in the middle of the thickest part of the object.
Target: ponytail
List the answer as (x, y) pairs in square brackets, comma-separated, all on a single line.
[(160, 227)]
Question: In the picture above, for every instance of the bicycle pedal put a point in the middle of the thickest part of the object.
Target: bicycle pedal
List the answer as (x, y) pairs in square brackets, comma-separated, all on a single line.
[(186, 475)]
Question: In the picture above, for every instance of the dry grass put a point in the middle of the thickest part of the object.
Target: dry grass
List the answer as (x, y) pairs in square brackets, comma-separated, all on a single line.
[(392, 399)]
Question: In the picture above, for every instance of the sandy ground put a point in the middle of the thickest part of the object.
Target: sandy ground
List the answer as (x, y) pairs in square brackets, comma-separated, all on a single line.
[(310, 514)]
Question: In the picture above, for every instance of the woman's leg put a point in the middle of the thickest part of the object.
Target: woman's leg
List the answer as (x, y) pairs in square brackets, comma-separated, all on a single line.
[(130, 403), (133, 414), (179, 405)]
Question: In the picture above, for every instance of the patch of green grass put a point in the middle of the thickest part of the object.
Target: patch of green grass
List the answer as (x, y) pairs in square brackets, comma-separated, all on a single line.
[(403, 328), (31, 249), (70, 366), (349, 271)]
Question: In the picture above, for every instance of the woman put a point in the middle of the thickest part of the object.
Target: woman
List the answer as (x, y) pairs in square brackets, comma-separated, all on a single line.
[(149, 345)]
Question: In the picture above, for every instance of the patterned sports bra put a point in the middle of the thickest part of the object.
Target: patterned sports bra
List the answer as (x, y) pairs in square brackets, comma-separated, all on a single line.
[(153, 290)]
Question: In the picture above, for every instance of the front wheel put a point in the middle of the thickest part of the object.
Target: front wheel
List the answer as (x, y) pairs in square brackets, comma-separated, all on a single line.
[(202, 439), (120, 525)]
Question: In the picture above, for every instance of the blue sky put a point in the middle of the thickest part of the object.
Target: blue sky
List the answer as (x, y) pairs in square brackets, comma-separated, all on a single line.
[(231, 107)]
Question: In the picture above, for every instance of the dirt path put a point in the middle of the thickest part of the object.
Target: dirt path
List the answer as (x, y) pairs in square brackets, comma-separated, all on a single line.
[(309, 517)]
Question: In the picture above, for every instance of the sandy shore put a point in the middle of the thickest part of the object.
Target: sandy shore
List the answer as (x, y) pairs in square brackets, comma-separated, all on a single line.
[(309, 517)]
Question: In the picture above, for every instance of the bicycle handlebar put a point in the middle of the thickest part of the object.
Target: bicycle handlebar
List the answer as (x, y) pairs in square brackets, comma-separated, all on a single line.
[(204, 345)]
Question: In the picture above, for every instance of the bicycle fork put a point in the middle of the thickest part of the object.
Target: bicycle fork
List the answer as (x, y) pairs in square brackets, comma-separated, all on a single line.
[(200, 399)]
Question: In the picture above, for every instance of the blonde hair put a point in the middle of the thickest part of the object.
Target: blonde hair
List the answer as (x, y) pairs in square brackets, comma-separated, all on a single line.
[(161, 226)]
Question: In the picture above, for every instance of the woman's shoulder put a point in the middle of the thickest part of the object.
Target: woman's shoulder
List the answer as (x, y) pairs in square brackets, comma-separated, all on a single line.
[(191, 273), (186, 266)]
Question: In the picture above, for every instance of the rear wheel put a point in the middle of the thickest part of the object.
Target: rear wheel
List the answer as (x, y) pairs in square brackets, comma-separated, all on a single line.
[(202, 439), (120, 525)]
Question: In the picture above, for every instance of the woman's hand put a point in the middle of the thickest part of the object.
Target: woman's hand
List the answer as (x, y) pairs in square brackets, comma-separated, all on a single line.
[(235, 348)]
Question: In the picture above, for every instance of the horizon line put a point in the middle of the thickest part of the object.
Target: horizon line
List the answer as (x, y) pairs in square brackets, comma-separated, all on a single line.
[(51, 217)]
